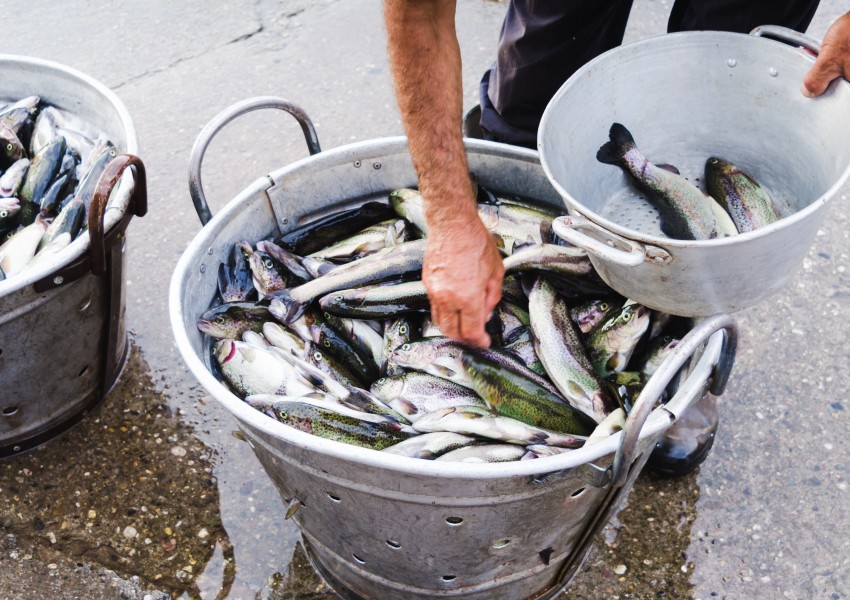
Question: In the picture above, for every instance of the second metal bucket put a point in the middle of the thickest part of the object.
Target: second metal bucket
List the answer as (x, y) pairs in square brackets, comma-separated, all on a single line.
[(63, 341), (686, 97)]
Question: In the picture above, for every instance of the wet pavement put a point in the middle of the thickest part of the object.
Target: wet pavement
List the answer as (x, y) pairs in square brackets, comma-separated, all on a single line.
[(153, 496)]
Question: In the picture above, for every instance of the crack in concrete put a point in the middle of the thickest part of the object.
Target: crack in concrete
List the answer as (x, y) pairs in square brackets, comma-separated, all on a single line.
[(259, 29)]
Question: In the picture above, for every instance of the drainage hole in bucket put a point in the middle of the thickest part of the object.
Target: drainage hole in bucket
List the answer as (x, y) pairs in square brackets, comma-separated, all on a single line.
[(394, 545), (83, 371), (334, 497), (577, 493), (358, 559), (454, 521), (9, 411), (499, 544), (448, 578)]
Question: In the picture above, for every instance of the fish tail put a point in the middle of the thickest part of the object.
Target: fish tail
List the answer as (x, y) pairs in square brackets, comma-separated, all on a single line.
[(285, 308), (621, 141)]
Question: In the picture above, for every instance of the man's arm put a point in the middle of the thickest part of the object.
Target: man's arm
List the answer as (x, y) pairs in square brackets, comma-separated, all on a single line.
[(462, 270), (833, 60)]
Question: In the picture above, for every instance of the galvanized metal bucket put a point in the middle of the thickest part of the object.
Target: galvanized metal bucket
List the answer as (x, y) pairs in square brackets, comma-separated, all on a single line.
[(381, 526), (686, 97), (62, 336)]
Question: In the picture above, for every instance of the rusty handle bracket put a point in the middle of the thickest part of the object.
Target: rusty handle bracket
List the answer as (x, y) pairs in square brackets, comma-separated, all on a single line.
[(100, 242)]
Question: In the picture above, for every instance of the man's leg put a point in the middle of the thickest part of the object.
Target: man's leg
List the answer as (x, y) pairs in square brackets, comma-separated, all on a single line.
[(541, 44)]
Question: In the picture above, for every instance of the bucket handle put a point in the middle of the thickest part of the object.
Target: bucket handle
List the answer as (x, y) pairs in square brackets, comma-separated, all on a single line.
[(223, 118), (603, 243), (787, 36), (645, 402), (101, 242)]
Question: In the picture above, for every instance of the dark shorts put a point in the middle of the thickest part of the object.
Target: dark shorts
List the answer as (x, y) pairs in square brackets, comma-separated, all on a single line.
[(543, 42)]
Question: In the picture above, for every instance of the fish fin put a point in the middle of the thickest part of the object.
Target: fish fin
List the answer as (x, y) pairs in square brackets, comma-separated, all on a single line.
[(539, 438), (621, 141), (669, 168)]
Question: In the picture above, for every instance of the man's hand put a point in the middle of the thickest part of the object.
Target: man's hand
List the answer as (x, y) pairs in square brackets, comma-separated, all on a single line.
[(463, 274), (833, 60)]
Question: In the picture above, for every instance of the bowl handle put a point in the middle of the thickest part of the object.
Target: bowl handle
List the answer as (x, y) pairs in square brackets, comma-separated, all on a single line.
[(787, 36), (603, 243), (688, 392), (223, 118)]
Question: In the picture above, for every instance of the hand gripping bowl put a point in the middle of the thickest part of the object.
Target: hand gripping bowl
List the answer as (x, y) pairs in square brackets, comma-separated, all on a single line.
[(63, 341), (381, 526), (685, 97)]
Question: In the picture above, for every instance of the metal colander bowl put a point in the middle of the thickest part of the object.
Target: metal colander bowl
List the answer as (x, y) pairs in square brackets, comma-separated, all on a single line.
[(382, 526)]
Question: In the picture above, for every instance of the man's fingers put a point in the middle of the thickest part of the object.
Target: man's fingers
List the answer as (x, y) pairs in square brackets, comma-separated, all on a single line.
[(820, 75), (472, 328), (492, 294)]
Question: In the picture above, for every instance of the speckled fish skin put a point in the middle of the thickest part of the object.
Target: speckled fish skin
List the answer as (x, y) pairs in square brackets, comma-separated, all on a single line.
[(414, 394), (361, 334), (610, 346), (327, 362), (521, 346), (429, 446), (565, 260), (437, 356), (687, 213), (514, 395), (560, 349), (377, 301), (483, 422), (484, 453), (232, 319), (333, 425), (399, 260), (324, 231), (365, 242), (746, 201), (284, 338)]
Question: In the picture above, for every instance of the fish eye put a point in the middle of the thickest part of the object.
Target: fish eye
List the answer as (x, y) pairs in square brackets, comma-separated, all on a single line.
[(406, 347), (9, 147), (338, 298), (381, 380), (628, 316), (4, 213), (220, 320), (267, 263), (282, 414), (603, 306), (403, 329), (326, 344), (112, 152), (317, 356)]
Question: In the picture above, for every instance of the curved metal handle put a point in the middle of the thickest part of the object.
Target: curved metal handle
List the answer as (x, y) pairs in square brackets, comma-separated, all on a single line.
[(787, 36), (223, 118), (567, 228), (138, 205), (645, 402)]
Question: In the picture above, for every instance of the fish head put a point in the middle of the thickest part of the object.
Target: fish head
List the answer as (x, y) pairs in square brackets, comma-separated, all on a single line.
[(225, 351), (388, 388), (266, 271), (414, 355), (9, 208), (11, 148), (718, 167)]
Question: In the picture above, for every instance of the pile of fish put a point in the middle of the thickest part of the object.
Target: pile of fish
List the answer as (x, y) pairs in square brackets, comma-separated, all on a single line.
[(330, 333), (735, 203), (50, 162)]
